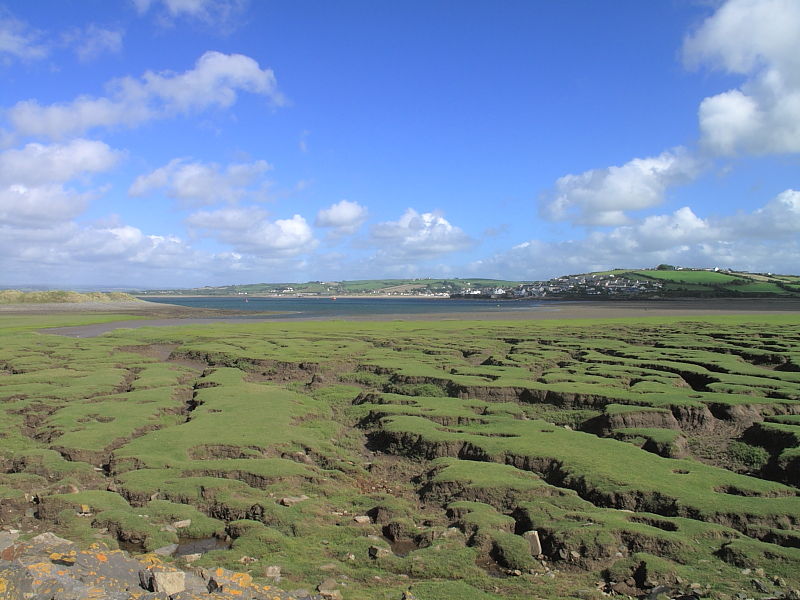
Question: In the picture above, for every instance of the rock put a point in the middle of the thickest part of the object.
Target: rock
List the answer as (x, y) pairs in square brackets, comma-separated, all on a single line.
[(272, 571), (301, 457), (328, 589), (779, 581), (49, 542), (575, 554), (7, 539), (362, 520), (225, 581), (166, 550), (169, 582), (759, 572), (660, 592), (292, 500), (248, 560), (182, 524), (759, 585), (190, 558), (533, 540), (376, 552), (625, 589)]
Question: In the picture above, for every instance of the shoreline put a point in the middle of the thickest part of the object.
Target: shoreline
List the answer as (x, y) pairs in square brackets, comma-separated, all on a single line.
[(166, 315)]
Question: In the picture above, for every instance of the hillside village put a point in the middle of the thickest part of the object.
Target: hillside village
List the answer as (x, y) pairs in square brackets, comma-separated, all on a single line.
[(572, 286)]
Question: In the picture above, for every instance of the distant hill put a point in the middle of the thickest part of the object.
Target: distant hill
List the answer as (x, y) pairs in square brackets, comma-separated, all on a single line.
[(62, 297), (716, 283), (342, 288), (664, 281)]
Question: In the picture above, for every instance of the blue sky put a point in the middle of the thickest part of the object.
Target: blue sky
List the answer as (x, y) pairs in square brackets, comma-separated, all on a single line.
[(153, 143)]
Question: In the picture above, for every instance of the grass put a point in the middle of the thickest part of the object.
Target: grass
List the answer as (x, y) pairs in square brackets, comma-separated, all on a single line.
[(61, 296), (424, 426), (691, 277)]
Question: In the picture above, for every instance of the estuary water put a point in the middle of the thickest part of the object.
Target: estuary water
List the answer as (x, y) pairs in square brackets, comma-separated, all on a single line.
[(328, 308)]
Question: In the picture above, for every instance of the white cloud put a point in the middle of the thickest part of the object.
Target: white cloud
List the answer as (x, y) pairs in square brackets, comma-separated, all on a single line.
[(17, 40), (33, 178), (39, 206), (603, 196), (344, 217), (37, 163), (210, 12), (758, 39), (94, 41), (195, 183), (249, 231), (763, 240), (70, 254), (778, 219), (214, 81), (419, 235)]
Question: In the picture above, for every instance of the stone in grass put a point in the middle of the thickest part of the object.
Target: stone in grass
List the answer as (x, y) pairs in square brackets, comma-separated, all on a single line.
[(182, 524), (273, 572), (376, 552), (533, 540), (362, 519), (190, 558), (328, 589), (292, 500)]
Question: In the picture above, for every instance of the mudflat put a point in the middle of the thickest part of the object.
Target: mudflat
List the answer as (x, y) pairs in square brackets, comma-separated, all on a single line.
[(151, 314)]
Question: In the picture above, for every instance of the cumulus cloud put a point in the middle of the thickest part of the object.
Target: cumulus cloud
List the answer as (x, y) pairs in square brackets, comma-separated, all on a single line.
[(416, 235), (18, 41), (196, 183), (763, 240), (71, 254), (778, 219), (757, 39), (603, 196), (32, 180), (214, 81), (249, 231), (344, 217)]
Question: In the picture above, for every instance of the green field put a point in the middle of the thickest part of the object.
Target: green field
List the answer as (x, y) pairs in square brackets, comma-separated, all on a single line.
[(649, 451)]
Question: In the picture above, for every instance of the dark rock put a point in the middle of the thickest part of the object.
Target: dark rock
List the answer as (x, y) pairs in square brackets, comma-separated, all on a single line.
[(760, 586)]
